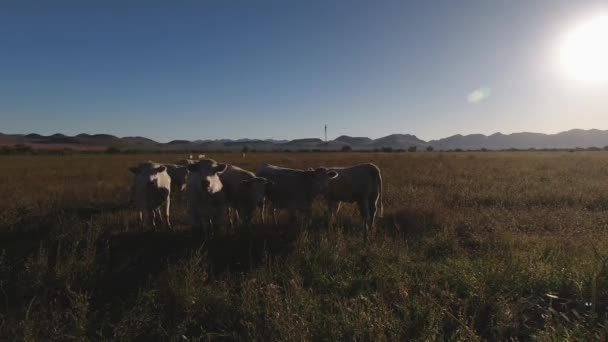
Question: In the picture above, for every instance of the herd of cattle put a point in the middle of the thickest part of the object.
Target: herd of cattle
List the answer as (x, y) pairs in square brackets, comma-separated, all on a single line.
[(216, 190)]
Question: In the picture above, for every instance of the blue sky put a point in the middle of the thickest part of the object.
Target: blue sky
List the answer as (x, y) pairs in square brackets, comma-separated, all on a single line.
[(282, 69)]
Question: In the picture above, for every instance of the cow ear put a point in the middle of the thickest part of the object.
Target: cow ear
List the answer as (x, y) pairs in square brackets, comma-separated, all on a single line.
[(134, 169), (220, 168), (161, 168), (192, 167), (332, 174)]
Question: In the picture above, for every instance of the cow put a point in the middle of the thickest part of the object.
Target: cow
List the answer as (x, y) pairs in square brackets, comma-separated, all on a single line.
[(179, 177), (361, 184), (190, 160), (151, 189), (294, 190), (206, 197), (244, 192), (186, 162)]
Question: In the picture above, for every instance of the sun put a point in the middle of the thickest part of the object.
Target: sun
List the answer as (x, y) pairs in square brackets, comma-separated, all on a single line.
[(583, 51)]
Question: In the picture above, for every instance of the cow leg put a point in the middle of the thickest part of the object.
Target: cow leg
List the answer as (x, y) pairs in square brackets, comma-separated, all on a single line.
[(275, 217), (167, 213), (248, 215), (333, 208), (141, 219), (364, 209), (231, 218), (153, 214), (373, 209), (147, 218), (244, 215), (237, 217), (248, 220), (262, 209), (211, 231), (159, 213), (197, 224)]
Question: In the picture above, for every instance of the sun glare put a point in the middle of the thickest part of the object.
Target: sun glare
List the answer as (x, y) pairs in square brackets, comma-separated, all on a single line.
[(584, 51)]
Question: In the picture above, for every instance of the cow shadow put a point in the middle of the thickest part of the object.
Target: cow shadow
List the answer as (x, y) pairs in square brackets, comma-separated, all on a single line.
[(128, 260), (248, 248), (88, 211)]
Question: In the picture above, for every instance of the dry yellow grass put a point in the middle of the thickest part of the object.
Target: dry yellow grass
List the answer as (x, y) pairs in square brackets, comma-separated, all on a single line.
[(469, 248)]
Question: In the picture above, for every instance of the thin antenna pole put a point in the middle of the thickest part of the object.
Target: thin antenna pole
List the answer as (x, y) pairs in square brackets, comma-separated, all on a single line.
[(325, 134)]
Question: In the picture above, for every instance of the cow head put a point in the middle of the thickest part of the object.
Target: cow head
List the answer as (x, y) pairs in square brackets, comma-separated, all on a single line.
[(320, 178), (254, 189), (179, 175), (204, 175), (146, 175)]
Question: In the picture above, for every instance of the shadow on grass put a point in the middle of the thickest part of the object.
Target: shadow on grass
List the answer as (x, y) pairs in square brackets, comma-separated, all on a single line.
[(88, 211), (31, 218), (34, 231), (128, 260)]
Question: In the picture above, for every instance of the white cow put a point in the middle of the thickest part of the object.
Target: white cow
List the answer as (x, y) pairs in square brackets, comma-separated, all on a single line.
[(207, 201), (190, 160), (179, 177), (244, 192), (361, 184), (152, 189), (293, 189)]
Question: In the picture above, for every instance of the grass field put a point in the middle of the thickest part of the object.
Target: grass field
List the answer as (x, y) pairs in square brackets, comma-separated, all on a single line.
[(472, 246)]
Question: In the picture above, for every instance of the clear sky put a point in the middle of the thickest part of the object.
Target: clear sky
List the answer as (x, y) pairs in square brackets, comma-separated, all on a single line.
[(281, 69)]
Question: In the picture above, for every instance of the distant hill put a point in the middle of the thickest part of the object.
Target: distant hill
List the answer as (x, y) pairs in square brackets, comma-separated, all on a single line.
[(178, 142), (498, 141), (355, 142), (140, 141), (400, 141), (304, 143), (565, 140)]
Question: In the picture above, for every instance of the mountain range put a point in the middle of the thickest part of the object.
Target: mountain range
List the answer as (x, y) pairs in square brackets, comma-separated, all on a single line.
[(565, 140)]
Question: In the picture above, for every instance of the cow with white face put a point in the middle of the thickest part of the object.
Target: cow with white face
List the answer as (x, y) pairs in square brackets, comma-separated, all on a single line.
[(151, 190), (244, 192), (295, 190), (206, 196), (361, 184)]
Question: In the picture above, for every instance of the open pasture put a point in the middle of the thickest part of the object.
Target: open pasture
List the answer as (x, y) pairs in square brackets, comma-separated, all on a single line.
[(472, 246)]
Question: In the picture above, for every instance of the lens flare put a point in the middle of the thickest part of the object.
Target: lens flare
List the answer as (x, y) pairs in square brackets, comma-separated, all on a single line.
[(584, 51), (478, 95)]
